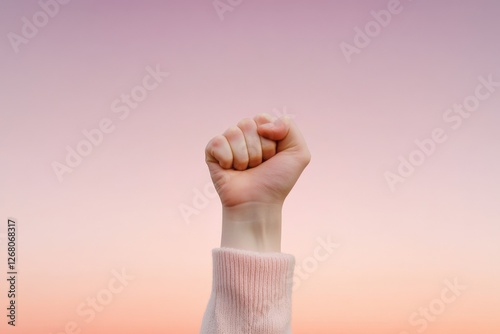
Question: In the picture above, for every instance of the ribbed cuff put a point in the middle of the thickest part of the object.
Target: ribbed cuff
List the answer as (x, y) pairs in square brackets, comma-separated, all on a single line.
[(254, 289)]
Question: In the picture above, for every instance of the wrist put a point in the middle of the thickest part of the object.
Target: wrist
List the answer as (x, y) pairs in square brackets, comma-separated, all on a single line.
[(252, 226)]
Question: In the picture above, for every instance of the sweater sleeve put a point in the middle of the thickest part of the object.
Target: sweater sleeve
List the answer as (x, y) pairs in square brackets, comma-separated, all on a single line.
[(251, 293)]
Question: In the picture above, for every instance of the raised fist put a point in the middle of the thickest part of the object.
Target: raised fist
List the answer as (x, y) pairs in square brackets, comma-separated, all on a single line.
[(257, 161)]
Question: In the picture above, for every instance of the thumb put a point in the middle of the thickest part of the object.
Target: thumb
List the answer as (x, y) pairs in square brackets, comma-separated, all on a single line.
[(285, 132), (275, 130)]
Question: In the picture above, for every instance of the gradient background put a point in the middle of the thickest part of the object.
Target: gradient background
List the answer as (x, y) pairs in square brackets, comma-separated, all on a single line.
[(120, 207)]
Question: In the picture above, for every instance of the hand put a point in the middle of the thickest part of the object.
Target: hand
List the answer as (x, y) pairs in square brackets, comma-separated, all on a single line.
[(257, 161), (253, 166)]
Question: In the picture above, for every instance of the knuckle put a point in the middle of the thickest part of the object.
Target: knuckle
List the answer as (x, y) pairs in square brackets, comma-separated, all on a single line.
[(218, 140), (246, 124), (232, 132), (215, 142)]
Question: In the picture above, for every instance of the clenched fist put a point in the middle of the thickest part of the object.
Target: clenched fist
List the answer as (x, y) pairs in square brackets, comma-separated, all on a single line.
[(257, 161), (253, 166)]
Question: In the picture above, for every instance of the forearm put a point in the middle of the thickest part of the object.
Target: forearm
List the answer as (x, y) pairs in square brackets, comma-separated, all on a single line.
[(252, 226)]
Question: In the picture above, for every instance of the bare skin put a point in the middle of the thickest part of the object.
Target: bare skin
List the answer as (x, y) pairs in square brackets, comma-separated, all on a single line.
[(254, 165)]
